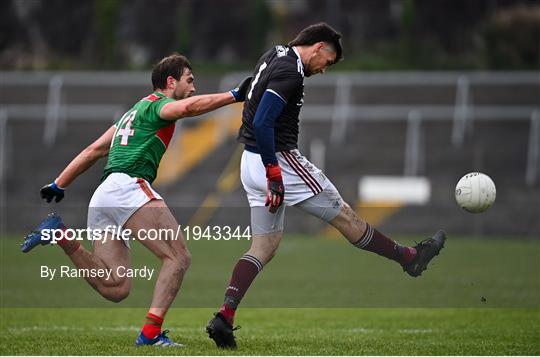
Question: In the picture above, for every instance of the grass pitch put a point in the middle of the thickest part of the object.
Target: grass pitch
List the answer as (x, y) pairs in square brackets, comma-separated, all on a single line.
[(278, 331), (319, 297)]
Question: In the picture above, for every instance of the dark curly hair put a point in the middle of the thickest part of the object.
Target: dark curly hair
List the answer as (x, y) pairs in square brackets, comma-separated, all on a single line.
[(172, 65), (321, 32)]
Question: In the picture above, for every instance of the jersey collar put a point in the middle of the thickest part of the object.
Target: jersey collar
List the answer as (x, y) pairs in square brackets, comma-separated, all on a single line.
[(299, 61)]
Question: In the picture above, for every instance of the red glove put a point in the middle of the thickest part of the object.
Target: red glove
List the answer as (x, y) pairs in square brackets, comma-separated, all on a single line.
[(276, 190)]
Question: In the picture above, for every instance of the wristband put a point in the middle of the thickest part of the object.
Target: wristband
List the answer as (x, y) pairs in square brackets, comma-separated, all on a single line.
[(273, 172), (234, 93), (57, 188)]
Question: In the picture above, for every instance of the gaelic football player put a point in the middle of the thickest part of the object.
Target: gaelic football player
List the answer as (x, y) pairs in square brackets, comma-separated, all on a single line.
[(274, 172), (125, 197)]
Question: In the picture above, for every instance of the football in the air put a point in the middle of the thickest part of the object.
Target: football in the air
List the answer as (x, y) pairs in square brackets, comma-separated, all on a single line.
[(475, 192)]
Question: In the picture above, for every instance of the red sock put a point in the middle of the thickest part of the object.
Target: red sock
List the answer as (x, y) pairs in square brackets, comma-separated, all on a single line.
[(69, 246), (152, 327), (243, 275), (407, 254), (376, 242), (227, 312)]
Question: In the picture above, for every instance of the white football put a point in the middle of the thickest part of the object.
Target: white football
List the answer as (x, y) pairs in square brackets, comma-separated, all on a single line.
[(475, 192)]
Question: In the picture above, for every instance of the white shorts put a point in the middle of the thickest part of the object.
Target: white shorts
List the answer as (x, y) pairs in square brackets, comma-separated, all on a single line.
[(116, 199), (301, 178)]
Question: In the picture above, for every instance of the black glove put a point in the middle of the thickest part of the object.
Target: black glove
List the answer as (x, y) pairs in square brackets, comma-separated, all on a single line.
[(276, 190), (50, 191), (239, 93)]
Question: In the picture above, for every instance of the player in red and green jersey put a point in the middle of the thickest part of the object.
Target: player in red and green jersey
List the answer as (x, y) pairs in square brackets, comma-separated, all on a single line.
[(140, 139), (125, 199)]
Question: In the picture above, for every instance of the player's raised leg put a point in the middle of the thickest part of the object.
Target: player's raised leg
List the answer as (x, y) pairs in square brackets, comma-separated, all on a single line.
[(108, 254), (329, 206), (175, 258)]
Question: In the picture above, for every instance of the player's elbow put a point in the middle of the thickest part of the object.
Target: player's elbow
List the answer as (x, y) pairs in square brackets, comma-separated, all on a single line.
[(258, 124), (94, 152)]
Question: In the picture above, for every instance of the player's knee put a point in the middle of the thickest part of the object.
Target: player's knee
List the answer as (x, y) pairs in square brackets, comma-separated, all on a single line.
[(113, 282), (346, 217), (347, 212), (265, 248), (184, 258), (117, 294), (349, 223)]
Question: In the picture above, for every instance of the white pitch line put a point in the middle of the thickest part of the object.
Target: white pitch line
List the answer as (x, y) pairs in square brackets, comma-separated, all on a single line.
[(363, 330), (360, 330), (370, 330), (179, 328), (416, 330), (90, 328)]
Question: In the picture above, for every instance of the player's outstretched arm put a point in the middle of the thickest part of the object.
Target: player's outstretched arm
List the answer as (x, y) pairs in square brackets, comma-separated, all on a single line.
[(87, 158), (201, 104), (78, 165), (195, 105)]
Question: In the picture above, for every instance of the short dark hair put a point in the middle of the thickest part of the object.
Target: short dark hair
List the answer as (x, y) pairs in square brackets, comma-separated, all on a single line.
[(321, 32), (172, 65)]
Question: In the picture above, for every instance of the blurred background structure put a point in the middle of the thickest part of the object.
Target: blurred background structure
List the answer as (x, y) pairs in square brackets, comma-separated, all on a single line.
[(378, 34), (428, 91)]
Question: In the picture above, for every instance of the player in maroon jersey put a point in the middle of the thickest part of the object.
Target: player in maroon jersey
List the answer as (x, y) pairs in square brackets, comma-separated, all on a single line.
[(274, 172)]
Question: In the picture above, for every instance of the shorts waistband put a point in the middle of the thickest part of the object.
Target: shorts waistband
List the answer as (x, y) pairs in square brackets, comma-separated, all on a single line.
[(251, 148), (255, 150)]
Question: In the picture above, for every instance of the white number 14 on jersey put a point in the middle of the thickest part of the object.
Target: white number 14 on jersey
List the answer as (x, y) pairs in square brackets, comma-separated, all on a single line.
[(124, 128)]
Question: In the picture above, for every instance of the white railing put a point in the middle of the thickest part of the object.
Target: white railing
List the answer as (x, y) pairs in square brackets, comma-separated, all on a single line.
[(55, 110), (3, 166), (414, 153), (339, 112), (461, 111), (532, 174)]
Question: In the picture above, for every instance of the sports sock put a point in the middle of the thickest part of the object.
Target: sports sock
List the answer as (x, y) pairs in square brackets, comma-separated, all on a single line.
[(227, 311), (152, 327), (69, 246), (376, 242), (243, 275)]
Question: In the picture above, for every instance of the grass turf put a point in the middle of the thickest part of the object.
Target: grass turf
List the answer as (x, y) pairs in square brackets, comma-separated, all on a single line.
[(278, 331), (319, 296)]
